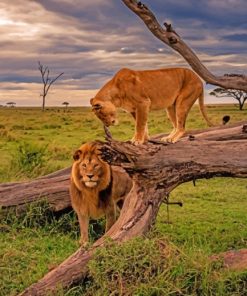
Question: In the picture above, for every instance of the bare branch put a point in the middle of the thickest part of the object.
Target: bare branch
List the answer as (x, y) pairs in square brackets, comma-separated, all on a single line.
[(47, 81), (173, 40), (52, 81)]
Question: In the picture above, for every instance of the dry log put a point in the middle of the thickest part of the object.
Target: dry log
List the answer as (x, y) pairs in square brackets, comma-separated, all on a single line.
[(156, 170), (173, 40), (53, 188)]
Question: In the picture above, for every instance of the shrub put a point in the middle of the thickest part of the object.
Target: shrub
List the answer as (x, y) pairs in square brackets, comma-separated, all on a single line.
[(40, 215), (29, 159)]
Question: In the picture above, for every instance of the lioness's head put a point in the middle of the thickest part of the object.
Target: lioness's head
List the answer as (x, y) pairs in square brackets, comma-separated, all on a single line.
[(105, 111), (89, 169)]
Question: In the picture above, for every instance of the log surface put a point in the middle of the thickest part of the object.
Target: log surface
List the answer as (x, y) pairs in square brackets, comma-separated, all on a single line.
[(54, 188)]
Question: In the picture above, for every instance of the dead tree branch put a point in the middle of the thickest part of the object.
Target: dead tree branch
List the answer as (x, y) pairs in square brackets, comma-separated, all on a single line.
[(173, 40)]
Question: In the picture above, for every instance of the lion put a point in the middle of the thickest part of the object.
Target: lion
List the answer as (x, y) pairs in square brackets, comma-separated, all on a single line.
[(96, 188), (138, 92)]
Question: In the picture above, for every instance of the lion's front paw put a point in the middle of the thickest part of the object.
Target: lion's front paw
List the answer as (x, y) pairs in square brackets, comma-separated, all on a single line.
[(83, 243)]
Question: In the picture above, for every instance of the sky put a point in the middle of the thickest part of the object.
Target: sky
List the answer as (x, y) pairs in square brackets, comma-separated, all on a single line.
[(90, 40)]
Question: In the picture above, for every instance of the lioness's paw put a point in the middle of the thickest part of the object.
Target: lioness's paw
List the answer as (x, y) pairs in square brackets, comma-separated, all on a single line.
[(169, 140), (137, 142), (166, 139)]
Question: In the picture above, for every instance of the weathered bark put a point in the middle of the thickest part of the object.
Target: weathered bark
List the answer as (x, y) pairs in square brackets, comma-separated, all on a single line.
[(173, 40), (156, 170), (52, 188)]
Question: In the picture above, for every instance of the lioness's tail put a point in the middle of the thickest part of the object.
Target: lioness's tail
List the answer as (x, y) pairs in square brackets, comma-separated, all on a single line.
[(202, 109)]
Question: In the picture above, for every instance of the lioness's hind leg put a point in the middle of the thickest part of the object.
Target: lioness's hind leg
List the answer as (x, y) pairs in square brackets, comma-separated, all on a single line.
[(184, 103), (171, 112)]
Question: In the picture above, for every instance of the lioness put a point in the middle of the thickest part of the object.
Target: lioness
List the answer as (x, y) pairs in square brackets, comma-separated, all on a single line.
[(137, 92), (96, 188)]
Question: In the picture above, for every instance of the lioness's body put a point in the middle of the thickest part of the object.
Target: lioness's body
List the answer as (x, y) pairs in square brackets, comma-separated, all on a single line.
[(96, 188), (138, 92)]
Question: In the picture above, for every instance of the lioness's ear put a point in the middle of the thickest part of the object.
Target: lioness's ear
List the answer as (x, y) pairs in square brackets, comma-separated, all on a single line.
[(97, 107), (77, 154)]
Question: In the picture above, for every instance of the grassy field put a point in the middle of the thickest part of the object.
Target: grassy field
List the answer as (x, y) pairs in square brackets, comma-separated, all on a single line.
[(171, 260)]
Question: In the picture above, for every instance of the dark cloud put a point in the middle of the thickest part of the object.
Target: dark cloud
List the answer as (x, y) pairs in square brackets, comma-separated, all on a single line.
[(236, 37), (90, 40)]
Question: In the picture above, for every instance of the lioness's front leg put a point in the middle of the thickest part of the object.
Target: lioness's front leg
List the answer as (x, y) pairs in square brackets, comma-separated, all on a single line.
[(141, 129), (146, 136)]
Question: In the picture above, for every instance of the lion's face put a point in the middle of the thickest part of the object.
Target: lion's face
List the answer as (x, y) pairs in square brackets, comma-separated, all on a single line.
[(90, 168), (105, 111)]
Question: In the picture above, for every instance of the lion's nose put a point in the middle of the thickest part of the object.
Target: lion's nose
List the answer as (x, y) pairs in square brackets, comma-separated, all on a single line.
[(90, 176)]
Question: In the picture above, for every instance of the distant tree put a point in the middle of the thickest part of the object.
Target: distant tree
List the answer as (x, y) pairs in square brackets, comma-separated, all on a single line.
[(66, 104), (11, 104), (239, 95), (47, 82)]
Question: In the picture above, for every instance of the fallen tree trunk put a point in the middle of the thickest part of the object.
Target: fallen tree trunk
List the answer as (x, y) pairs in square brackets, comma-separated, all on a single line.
[(53, 188), (156, 168)]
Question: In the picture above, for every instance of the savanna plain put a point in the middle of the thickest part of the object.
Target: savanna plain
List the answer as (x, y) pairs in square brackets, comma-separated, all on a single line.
[(172, 259)]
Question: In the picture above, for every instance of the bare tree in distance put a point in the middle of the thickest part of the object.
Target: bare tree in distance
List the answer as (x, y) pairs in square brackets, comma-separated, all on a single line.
[(239, 95), (47, 82), (11, 104)]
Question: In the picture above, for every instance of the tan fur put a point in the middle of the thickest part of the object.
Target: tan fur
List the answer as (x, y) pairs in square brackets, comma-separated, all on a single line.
[(138, 92), (96, 188)]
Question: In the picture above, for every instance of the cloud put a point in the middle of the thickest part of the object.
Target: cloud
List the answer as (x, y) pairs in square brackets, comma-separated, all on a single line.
[(242, 38), (91, 40)]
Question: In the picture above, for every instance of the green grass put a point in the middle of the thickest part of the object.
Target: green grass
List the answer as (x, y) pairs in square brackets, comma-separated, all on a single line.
[(212, 220)]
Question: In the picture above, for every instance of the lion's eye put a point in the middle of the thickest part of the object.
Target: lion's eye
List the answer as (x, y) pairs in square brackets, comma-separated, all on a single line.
[(84, 165), (96, 166)]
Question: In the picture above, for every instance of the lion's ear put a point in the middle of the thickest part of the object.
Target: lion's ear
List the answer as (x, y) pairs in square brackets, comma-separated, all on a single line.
[(77, 154), (91, 101)]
